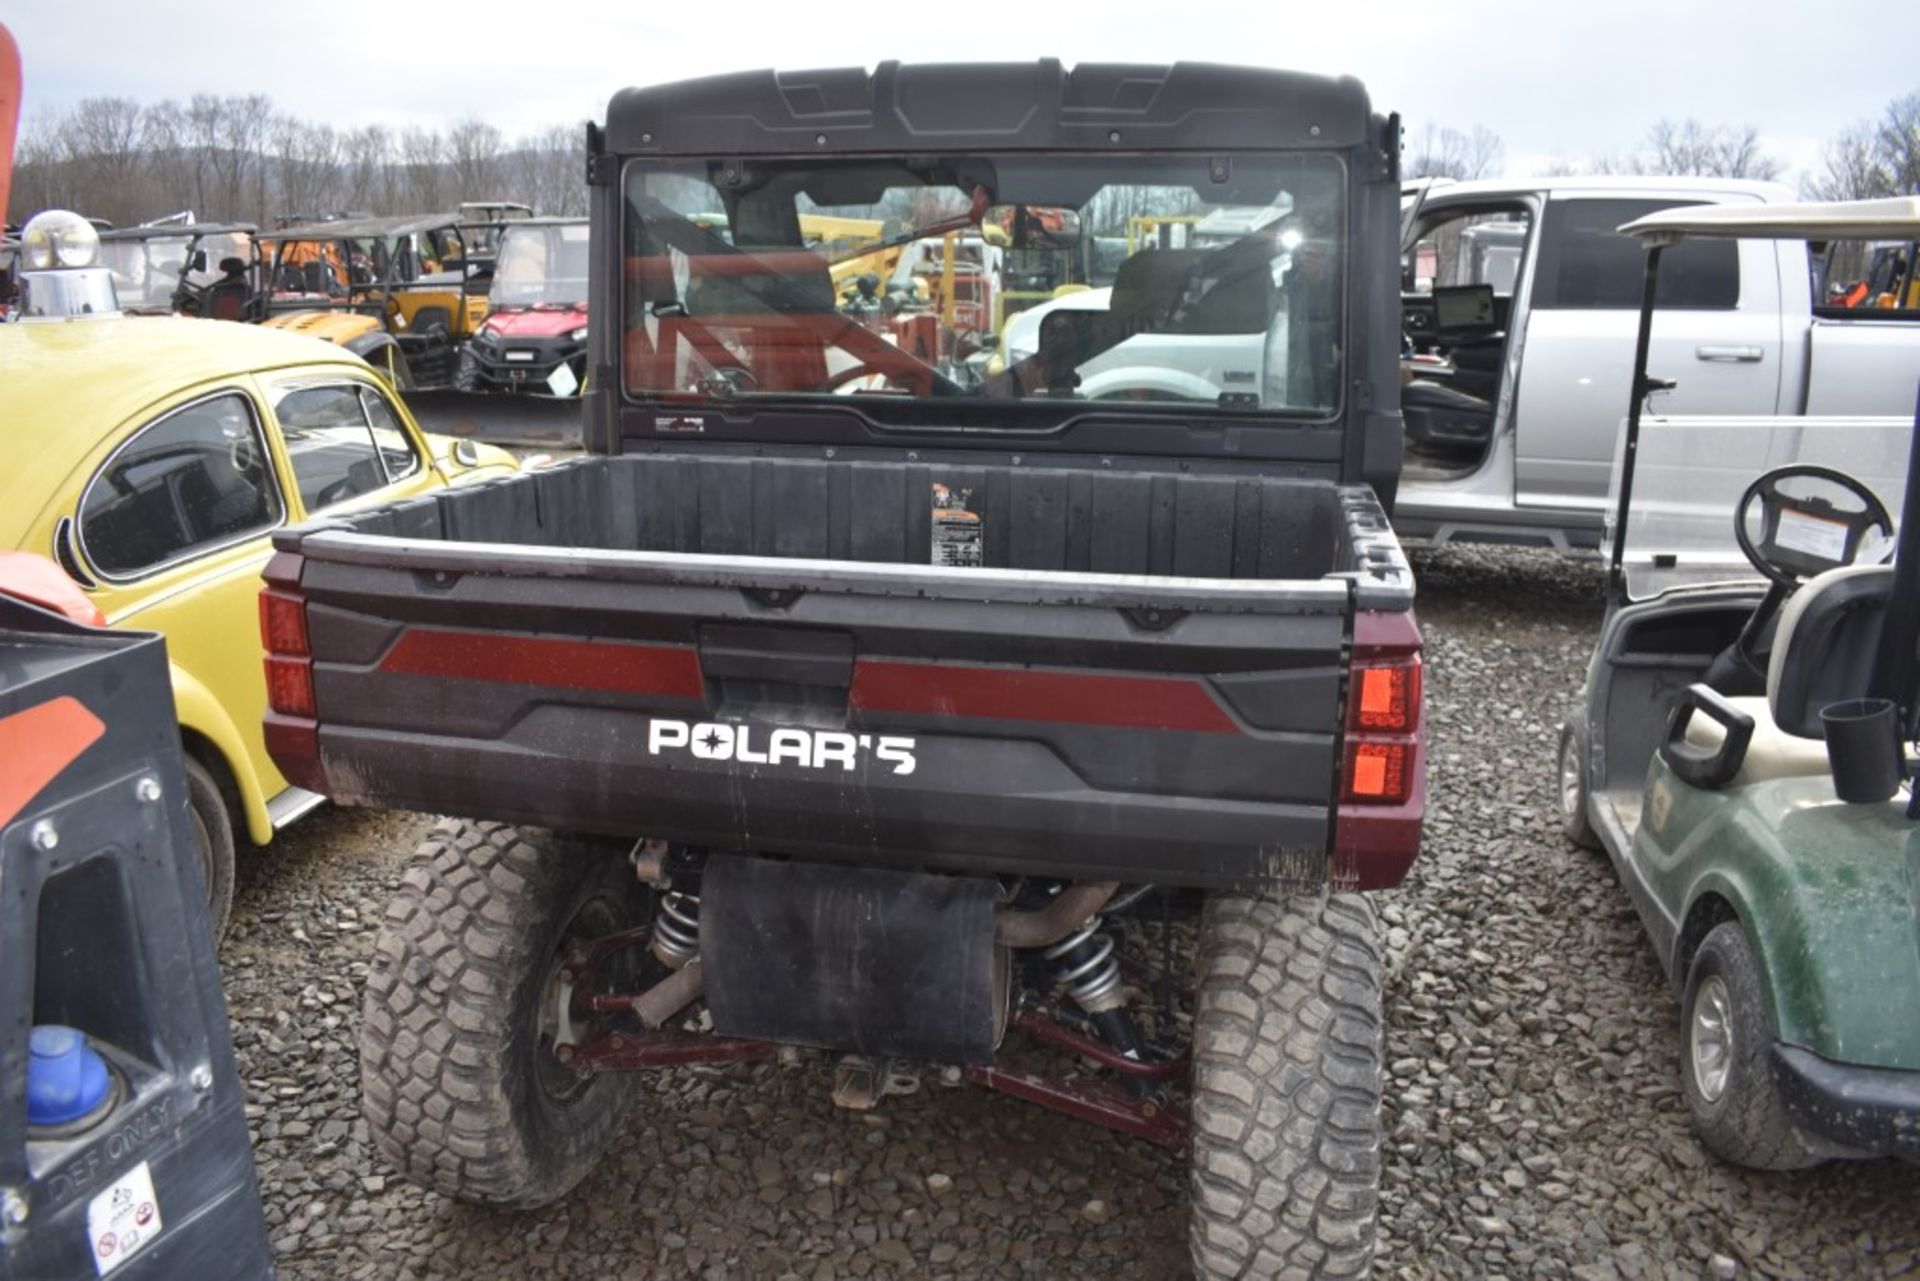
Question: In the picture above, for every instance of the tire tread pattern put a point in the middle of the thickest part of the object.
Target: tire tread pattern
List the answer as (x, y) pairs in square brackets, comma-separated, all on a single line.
[(1286, 1155), (447, 1087)]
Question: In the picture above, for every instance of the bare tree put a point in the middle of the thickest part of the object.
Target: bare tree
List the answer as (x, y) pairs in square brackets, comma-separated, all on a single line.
[(423, 154), (1851, 168), (473, 159), (1450, 153), (1697, 150), (1898, 138)]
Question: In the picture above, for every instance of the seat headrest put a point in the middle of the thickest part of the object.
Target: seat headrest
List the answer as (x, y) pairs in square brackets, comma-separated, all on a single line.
[(1824, 644)]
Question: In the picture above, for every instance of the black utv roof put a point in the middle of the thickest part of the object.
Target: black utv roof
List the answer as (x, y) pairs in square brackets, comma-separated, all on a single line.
[(1040, 105)]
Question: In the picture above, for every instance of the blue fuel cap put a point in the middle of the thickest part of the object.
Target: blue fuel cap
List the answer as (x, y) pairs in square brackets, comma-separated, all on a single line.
[(66, 1078)]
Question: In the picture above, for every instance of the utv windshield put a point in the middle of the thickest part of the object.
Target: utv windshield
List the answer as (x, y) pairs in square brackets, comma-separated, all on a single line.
[(542, 265), (149, 270), (1054, 281), (1692, 472)]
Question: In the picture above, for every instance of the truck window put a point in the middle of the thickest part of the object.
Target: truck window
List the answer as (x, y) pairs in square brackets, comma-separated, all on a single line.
[(1587, 265), (896, 281), (191, 482), (1473, 249), (332, 446)]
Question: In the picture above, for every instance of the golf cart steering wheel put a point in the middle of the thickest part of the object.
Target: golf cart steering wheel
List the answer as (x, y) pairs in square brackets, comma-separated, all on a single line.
[(1817, 535), (1799, 537)]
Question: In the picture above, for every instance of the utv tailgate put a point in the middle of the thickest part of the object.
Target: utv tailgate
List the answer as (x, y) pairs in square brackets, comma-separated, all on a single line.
[(476, 653)]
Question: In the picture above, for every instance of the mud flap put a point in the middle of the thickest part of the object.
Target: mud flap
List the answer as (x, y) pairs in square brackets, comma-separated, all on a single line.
[(885, 963)]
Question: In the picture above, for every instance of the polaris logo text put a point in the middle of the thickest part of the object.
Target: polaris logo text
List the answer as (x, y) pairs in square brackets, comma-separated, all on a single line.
[(814, 749)]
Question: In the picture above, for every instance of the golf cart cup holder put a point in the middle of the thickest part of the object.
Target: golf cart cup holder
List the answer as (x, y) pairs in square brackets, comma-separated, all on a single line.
[(1863, 749)]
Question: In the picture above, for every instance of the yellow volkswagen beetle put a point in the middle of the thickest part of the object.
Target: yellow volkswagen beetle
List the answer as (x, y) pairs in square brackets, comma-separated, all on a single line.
[(152, 458)]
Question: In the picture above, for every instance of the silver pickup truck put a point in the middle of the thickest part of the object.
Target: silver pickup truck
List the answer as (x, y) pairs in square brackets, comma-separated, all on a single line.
[(1520, 302)]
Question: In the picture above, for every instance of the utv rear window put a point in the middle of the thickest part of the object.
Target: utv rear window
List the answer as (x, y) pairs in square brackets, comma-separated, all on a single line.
[(1139, 282), (1587, 265)]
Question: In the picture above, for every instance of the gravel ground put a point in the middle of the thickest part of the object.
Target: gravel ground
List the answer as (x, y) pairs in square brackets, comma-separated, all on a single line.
[(1533, 1116)]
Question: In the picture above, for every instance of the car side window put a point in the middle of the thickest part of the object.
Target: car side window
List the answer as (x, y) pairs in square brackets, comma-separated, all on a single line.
[(195, 480), (1587, 265), (396, 450), (343, 441)]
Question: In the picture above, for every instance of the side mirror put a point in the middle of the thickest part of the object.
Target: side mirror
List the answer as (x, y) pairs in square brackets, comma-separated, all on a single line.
[(199, 260), (466, 453)]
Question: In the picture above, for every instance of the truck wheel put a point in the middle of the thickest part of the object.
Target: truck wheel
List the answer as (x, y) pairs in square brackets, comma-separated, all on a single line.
[(1286, 1088), (1570, 777), (459, 1082), (1726, 1058), (466, 376), (213, 841)]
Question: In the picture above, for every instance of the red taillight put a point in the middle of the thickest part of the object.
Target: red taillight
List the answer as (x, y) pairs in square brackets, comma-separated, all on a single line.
[(290, 685), (1386, 696), (1378, 771), (283, 623)]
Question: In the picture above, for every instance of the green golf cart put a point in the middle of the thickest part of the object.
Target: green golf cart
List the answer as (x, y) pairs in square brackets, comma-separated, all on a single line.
[(1741, 749)]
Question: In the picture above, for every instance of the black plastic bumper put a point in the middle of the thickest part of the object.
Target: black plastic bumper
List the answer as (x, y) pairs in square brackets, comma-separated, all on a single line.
[(1875, 1111), (524, 364)]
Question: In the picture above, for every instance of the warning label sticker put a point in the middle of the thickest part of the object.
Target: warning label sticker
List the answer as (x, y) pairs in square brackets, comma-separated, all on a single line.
[(956, 528), (123, 1219)]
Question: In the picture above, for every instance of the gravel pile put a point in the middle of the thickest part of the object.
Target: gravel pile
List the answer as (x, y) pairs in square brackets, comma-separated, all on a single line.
[(1533, 1119)]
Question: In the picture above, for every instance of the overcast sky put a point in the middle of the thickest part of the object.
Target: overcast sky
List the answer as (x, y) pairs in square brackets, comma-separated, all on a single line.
[(1550, 78)]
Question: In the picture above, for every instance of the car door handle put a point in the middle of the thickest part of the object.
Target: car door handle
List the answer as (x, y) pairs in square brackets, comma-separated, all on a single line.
[(1744, 355)]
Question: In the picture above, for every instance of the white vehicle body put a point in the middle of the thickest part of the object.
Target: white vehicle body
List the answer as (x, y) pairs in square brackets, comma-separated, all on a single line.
[(1751, 346), (1160, 365)]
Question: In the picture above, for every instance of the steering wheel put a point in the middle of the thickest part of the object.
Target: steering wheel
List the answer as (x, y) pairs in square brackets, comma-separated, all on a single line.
[(1799, 537), (1803, 547), (841, 378)]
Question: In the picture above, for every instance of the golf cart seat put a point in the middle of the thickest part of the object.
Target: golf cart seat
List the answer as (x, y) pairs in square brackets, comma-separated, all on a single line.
[(1822, 654)]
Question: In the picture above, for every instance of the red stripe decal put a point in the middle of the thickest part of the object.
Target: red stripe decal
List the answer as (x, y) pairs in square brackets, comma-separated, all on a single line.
[(621, 667), (1130, 702), (39, 742)]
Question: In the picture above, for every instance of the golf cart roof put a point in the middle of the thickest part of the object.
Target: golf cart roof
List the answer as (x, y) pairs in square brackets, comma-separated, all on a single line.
[(362, 228), (1893, 218), (548, 220), (181, 231)]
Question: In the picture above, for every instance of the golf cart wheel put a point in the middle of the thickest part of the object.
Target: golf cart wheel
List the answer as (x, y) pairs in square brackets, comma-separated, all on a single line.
[(1285, 1166), (1570, 785), (1726, 1058), (460, 1085), (213, 842)]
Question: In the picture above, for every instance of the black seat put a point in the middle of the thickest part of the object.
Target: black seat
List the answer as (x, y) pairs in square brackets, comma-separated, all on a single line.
[(1445, 419)]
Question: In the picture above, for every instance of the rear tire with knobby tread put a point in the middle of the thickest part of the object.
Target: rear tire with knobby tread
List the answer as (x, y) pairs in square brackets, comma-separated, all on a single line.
[(1285, 1167), (452, 1087)]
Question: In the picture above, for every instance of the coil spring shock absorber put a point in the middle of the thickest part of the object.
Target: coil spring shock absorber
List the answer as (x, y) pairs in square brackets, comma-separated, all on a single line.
[(676, 929), (1085, 965)]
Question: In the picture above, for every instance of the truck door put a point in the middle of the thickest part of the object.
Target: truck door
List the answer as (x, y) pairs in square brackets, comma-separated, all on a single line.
[(1717, 334)]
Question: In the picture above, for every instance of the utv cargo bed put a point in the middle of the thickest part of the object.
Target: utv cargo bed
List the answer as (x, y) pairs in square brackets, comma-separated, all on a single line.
[(1118, 674)]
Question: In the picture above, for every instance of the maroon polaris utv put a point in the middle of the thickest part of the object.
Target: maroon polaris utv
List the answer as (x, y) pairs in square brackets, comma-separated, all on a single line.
[(877, 687)]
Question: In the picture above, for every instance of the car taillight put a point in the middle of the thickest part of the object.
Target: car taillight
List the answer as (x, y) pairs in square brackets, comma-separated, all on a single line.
[(1378, 772), (1383, 726), (283, 633), (290, 685), (283, 623), (1386, 696)]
